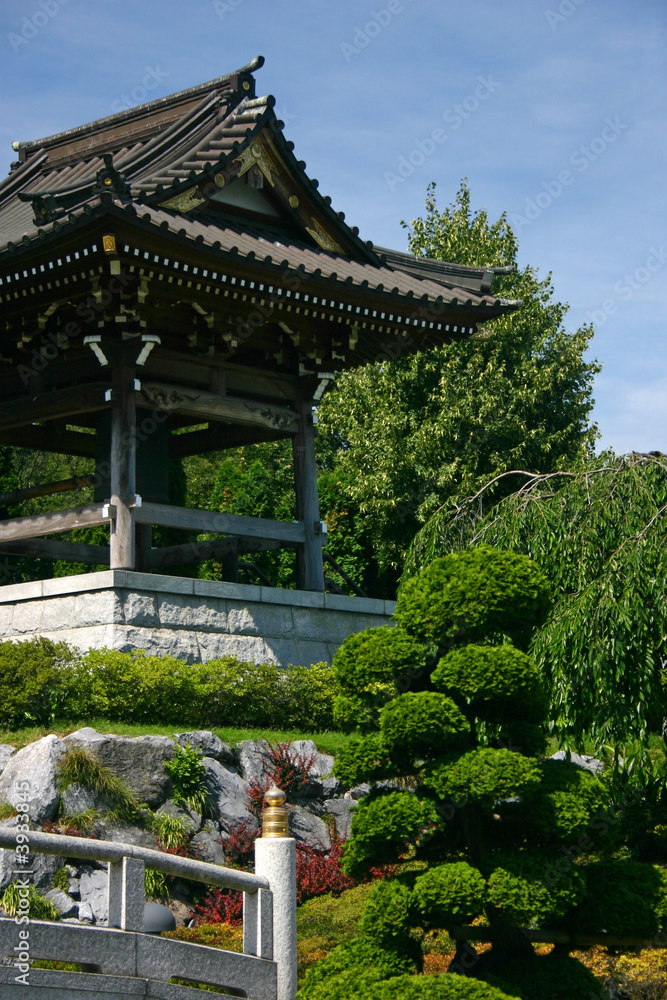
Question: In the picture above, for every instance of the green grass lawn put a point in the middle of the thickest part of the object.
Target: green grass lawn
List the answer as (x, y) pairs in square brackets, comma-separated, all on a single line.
[(331, 743)]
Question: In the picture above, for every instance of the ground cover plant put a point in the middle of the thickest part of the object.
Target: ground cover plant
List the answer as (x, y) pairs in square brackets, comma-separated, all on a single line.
[(451, 708)]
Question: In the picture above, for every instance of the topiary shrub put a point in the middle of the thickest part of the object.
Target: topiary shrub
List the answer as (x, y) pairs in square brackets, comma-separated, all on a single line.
[(519, 827), (368, 667), (624, 897), (554, 976), (483, 776), (479, 594), (425, 724), (450, 894), (494, 683), (565, 803), (521, 887), (364, 758), (382, 829), (443, 987), (350, 970), (387, 920)]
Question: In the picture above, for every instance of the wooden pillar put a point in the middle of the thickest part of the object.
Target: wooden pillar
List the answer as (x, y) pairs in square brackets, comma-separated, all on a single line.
[(310, 568), (123, 460)]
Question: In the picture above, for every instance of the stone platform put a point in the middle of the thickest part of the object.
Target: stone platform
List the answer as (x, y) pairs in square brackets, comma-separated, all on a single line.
[(194, 620)]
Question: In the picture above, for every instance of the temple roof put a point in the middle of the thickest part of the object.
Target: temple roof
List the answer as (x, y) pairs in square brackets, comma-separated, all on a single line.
[(210, 166)]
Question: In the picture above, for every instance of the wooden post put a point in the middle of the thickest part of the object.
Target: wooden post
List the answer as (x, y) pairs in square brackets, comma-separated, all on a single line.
[(310, 568), (123, 466)]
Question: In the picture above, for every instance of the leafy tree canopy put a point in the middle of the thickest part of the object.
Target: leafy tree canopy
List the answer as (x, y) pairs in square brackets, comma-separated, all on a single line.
[(412, 432)]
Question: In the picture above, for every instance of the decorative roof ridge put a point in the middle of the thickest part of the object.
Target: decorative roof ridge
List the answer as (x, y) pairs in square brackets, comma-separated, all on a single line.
[(160, 103)]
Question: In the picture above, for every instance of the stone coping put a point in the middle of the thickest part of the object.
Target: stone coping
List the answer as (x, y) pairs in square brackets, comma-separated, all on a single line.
[(247, 593)]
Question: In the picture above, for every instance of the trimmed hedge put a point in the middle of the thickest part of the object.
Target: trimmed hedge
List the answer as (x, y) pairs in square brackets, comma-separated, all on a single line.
[(41, 681), (450, 894)]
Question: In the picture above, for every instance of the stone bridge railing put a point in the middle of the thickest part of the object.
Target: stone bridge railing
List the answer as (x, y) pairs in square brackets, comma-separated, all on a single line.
[(122, 960)]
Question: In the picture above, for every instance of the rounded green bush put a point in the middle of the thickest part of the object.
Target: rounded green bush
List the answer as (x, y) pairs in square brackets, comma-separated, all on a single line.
[(387, 919), (474, 595), (424, 724), (351, 713), (564, 804), (624, 897), (442, 987), (533, 892), (484, 776), (553, 976), (377, 656), (496, 682), (34, 679), (450, 894), (351, 969), (364, 759), (381, 829)]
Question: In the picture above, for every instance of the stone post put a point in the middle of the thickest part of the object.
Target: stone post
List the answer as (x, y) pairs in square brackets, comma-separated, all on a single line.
[(275, 859), (126, 894)]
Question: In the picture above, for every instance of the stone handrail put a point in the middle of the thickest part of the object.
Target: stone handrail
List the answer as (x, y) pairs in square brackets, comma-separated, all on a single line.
[(107, 850)]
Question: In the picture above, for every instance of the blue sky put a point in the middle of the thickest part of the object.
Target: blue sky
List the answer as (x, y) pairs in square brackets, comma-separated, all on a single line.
[(553, 109)]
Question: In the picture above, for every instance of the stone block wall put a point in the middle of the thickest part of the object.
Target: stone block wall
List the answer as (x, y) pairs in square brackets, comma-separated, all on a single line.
[(194, 620)]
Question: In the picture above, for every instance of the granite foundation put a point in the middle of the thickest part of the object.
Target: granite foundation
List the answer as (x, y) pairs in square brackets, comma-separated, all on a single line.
[(193, 620)]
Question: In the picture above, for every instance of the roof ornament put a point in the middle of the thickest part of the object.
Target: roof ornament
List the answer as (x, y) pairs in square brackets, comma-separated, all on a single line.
[(321, 237), (184, 201), (108, 178), (256, 155), (44, 206)]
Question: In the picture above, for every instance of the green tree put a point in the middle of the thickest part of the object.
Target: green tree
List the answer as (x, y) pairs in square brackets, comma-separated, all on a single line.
[(599, 532), (409, 434), (452, 707)]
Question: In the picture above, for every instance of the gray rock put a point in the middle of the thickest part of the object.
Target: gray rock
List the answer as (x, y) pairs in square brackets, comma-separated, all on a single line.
[(138, 760), (359, 791), (191, 819), (341, 810), (77, 798), (323, 763), (253, 759), (207, 744), (35, 765), (124, 833), (309, 829), (63, 903), (207, 845), (85, 911), (74, 890), (6, 753), (93, 891), (591, 764), (228, 794)]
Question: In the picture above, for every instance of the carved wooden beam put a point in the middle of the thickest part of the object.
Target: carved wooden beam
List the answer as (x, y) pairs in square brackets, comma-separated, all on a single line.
[(209, 406), (287, 532), (56, 521)]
